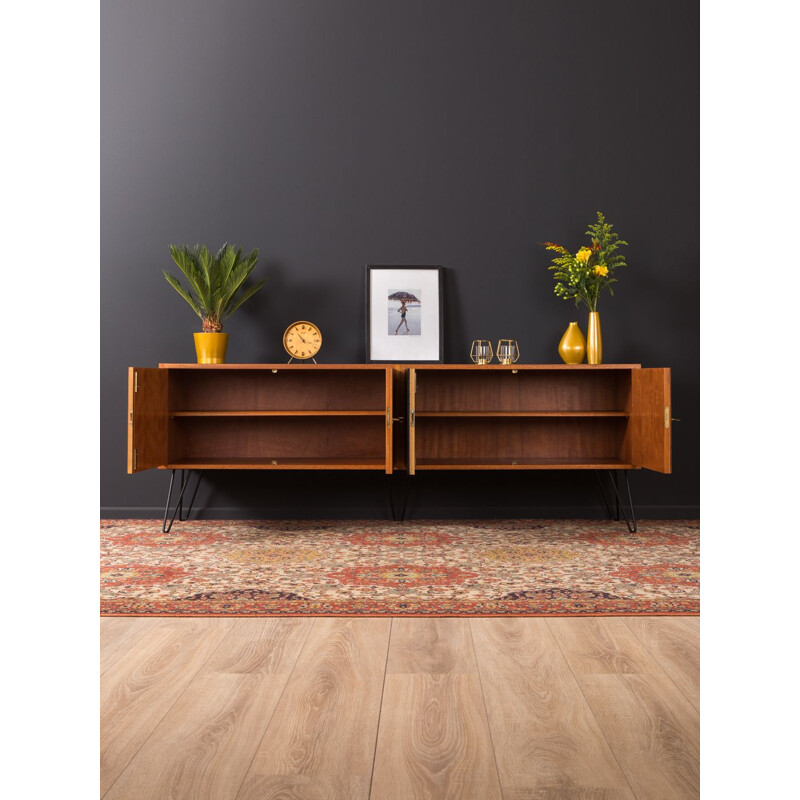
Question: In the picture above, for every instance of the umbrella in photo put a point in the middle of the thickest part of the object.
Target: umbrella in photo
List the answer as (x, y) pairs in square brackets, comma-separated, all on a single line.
[(403, 296)]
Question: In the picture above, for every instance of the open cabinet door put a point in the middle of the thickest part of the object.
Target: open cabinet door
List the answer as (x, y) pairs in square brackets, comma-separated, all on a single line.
[(651, 431), (147, 418), (389, 399), (412, 422)]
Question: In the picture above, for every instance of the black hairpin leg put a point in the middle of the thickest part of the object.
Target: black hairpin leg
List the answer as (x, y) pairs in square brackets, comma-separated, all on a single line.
[(619, 506), (179, 503), (407, 483), (404, 507), (388, 479)]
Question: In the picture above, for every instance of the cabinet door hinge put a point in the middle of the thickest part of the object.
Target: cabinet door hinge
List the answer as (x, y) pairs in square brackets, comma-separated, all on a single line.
[(135, 381), (130, 418), (666, 416), (388, 416), (413, 415)]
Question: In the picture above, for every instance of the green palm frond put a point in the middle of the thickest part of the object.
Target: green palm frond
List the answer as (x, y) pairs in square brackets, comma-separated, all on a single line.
[(175, 284), (188, 263), (246, 294), (237, 278), (215, 280)]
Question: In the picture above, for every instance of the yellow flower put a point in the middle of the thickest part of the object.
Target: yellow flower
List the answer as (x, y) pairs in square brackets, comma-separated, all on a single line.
[(583, 254), (601, 270)]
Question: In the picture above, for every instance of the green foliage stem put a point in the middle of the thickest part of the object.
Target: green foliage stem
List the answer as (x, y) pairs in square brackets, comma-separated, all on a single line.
[(582, 276)]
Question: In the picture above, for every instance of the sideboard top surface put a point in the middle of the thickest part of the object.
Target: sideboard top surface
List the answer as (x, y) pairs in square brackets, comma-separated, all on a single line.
[(482, 368), (512, 367), (284, 365)]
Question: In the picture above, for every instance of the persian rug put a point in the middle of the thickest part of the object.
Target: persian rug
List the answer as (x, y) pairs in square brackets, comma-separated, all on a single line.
[(347, 568)]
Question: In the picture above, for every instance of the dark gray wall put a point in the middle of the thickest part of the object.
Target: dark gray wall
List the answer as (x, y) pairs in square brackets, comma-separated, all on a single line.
[(332, 134)]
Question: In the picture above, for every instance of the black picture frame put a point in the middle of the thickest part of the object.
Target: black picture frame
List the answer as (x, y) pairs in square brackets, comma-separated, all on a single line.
[(425, 346)]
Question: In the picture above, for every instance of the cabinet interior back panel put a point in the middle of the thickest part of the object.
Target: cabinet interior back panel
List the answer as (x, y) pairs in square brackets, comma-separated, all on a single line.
[(470, 438), (533, 390), (284, 437), (263, 390)]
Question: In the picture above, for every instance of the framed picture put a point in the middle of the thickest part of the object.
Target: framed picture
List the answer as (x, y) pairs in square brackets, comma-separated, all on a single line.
[(404, 314)]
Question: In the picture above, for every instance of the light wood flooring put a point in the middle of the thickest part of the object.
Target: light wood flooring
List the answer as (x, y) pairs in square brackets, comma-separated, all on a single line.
[(399, 709)]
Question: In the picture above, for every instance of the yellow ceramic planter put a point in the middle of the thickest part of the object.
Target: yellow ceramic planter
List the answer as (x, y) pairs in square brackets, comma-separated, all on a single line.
[(572, 347), (211, 347)]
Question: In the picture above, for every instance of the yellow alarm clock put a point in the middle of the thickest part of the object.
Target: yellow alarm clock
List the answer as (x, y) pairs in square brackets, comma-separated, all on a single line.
[(302, 340)]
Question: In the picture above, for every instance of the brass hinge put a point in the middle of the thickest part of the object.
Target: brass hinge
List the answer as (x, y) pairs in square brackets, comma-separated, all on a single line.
[(413, 414), (130, 418), (135, 459), (666, 416), (135, 381), (388, 416)]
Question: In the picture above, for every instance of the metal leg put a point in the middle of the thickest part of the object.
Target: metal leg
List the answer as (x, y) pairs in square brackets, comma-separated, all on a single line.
[(603, 495), (402, 516), (391, 498), (194, 494), (405, 498), (180, 496), (630, 521), (179, 504)]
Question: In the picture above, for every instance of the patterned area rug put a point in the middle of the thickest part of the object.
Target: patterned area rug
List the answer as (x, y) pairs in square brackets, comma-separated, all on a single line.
[(465, 568)]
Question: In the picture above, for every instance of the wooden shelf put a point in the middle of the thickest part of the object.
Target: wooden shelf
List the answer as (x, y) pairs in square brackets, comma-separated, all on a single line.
[(520, 414), (522, 463), (277, 463), (281, 413)]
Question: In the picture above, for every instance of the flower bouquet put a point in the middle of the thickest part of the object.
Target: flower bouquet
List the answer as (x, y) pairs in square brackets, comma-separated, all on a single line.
[(583, 275)]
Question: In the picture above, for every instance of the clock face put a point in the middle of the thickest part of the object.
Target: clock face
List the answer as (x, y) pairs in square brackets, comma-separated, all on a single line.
[(302, 340)]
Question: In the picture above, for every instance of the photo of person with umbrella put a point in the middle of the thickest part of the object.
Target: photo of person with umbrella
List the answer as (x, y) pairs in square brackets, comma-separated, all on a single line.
[(409, 311)]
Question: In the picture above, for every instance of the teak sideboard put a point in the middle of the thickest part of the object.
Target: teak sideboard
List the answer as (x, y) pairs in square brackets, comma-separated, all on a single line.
[(396, 417)]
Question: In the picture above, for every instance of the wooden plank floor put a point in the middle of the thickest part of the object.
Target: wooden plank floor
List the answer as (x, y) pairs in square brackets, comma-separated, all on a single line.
[(399, 709)]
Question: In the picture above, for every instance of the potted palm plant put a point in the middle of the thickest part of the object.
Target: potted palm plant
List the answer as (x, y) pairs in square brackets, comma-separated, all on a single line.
[(216, 289)]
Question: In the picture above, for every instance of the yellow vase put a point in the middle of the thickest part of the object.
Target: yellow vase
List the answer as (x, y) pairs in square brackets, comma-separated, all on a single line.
[(211, 347), (594, 340), (572, 347)]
